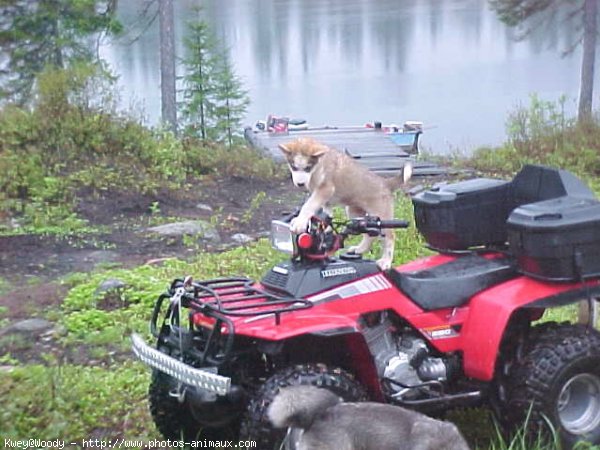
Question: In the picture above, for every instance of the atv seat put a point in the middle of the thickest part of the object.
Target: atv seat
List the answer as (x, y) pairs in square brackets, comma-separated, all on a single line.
[(452, 284)]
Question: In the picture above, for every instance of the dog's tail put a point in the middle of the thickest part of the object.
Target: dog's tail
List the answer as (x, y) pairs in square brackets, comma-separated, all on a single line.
[(298, 406), (405, 174)]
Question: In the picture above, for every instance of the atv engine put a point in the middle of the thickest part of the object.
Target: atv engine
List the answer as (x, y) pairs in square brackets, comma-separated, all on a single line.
[(402, 356)]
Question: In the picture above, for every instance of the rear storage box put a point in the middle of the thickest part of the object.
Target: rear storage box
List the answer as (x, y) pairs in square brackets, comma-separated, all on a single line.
[(473, 213), (557, 239), (465, 214), (536, 183)]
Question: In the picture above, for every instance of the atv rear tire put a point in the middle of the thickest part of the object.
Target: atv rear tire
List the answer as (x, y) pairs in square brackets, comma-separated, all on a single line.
[(255, 424), (555, 385)]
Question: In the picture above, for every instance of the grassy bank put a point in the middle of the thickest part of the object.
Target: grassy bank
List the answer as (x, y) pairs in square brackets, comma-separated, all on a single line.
[(541, 133)]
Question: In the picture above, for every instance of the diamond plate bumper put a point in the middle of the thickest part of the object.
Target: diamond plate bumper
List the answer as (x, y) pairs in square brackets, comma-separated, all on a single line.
[(200, 378)]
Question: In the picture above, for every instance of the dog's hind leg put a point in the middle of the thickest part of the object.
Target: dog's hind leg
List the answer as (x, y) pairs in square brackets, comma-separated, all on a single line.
[(388, 250), (367, 241), (389, 237)]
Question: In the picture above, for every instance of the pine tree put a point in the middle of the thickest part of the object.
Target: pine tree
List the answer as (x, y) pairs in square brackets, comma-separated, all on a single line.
[(35, 34), (231, 101), (213, 99), (200, 65)]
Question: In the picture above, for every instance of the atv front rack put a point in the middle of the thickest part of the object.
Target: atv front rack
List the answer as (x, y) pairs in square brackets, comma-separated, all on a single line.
[(219, 300), (240, 297)]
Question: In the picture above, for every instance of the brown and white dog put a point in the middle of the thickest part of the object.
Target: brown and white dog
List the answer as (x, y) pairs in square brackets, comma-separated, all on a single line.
[(335, 178), (320, 420)]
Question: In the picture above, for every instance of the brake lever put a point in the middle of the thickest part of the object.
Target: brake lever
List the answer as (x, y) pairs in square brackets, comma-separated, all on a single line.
[(373, 232), (287, 216)]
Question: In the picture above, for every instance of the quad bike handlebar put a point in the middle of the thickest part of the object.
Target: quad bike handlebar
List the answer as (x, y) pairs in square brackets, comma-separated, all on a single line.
[(372, 225), (324, 236)]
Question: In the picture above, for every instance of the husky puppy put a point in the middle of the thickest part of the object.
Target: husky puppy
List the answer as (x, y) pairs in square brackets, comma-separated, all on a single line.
[(331, 178), (321, 421)]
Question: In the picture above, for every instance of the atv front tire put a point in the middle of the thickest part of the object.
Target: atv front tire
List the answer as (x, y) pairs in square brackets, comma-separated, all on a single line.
[(554, 386), (172, 418), (255, 424), (183, 421)]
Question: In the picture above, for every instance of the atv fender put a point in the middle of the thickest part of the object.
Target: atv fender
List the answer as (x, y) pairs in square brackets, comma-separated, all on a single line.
[(491, 310), (337, 347)]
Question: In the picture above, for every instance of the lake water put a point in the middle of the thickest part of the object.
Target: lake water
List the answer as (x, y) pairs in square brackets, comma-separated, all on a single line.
[(448, 63)]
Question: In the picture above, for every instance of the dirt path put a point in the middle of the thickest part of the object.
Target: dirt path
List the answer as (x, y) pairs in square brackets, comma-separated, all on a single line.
[(31, 265)]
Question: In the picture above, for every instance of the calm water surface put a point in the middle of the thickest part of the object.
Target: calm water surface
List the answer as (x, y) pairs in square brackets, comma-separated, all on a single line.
[(448, 63)]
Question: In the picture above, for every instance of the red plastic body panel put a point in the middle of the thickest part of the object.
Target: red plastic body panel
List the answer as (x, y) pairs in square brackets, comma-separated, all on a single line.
[(489, 313), (475, 329)]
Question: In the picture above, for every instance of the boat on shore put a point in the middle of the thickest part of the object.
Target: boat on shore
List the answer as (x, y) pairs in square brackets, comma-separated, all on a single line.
[(382, 148)]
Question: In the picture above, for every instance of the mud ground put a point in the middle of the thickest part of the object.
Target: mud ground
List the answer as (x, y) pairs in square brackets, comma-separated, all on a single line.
[(32, 265)]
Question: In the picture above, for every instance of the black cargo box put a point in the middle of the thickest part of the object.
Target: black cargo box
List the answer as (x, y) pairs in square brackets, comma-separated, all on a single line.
[(557, 239), (536, 183), (473, 213), (465, 214)]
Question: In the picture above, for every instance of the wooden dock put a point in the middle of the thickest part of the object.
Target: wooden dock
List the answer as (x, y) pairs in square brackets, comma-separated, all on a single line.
[(382, 152)]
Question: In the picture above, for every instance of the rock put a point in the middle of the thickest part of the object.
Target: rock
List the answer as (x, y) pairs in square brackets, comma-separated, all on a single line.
[(157, 261), (112, 284), (6, 369), (34, 325), (200, 228), (101, 256), (241, 238), (28, 326), (204, 207)]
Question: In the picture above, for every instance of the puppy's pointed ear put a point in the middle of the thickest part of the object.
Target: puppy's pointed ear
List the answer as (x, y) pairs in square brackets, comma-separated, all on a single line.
[(319, 151), (284, 149)]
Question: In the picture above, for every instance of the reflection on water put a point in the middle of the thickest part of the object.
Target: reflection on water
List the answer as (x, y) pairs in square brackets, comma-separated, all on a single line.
[(449, 63)]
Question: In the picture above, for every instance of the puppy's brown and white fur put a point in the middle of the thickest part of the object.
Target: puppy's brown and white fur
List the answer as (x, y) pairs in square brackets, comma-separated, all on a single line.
[(322, 422), (335, 178)]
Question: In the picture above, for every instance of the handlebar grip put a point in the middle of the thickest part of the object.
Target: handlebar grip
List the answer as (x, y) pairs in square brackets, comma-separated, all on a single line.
[(394, 223)]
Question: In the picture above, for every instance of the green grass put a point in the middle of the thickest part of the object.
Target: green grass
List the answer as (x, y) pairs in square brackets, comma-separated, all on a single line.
[(73, 402), (4, 287)]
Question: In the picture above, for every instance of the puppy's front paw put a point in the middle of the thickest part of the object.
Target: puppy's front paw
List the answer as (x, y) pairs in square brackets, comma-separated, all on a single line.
[(298, 225), (384, 263), (356, 249)]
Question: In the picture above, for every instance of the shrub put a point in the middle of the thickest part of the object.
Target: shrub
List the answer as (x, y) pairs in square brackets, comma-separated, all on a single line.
[(543, 134), (73, 138)]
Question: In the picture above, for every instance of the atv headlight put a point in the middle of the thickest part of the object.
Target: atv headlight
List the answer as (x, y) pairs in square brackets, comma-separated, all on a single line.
[(282, 238)]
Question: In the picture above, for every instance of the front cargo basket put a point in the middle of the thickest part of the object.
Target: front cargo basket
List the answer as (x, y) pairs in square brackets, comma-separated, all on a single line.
[(241, 297), (222, 298), (220, 301)]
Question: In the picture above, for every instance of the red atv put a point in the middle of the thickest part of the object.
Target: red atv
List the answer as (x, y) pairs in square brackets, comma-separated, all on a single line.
[(454, 329)]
